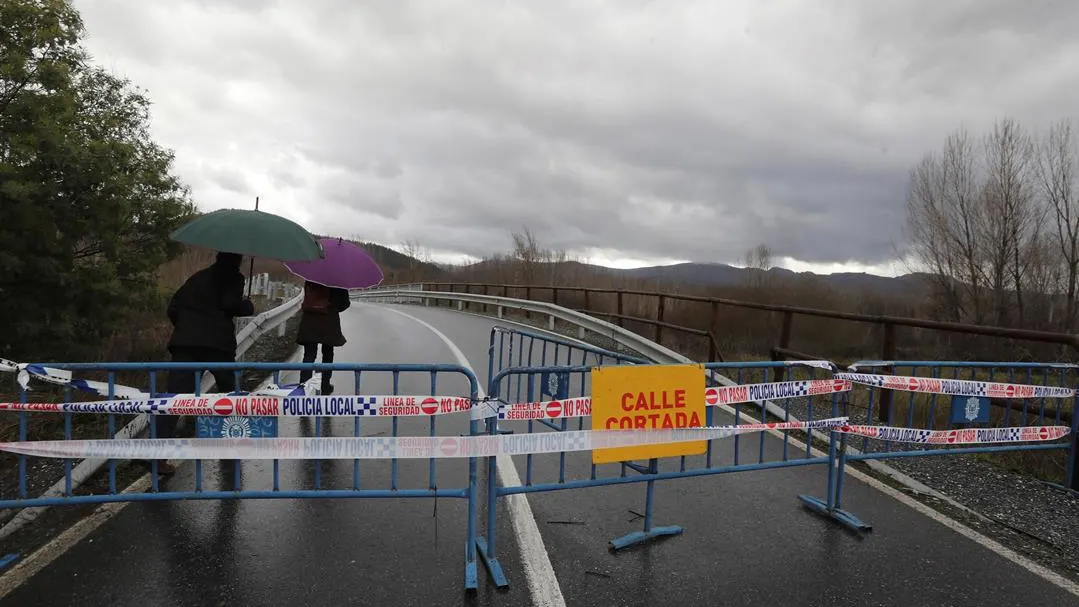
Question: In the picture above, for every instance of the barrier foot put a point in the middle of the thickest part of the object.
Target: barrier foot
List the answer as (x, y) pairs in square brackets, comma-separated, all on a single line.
[(839, 515), (639, 537), (494, 568), (472, 577)]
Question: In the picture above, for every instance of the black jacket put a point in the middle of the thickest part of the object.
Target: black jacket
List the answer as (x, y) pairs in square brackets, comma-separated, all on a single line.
[(202, 310), (325, 327)]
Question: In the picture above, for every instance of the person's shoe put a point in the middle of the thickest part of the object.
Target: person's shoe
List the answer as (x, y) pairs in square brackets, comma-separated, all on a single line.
[(327, 389)]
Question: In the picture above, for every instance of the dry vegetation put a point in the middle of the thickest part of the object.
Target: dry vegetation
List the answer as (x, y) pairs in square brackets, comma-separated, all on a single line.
[(146, 330)]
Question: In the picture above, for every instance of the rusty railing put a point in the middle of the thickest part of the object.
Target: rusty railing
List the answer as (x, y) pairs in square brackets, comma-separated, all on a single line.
[(780, 352)]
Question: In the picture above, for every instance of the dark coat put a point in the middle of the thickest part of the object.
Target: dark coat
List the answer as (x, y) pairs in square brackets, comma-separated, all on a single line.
[(203, 309), (324, 327)]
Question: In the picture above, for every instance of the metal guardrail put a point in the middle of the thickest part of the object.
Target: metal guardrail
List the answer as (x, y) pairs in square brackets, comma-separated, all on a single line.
[(256, 327), (263, 323), (633, 341), (646, 348)]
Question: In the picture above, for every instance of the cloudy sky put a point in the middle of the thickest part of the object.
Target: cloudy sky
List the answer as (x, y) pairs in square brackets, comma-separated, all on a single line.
[(625, 131)]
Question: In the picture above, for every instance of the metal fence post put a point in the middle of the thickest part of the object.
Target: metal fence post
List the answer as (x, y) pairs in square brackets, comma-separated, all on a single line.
[(620, 314), (784, 341), (659, 319), (887, 353), (1071, 473)]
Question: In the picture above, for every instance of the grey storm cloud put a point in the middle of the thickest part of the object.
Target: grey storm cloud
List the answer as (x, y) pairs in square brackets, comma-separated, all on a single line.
[(681, 130)]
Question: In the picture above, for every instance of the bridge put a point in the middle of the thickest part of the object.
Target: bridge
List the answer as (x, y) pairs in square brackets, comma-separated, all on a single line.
[(740, 534)]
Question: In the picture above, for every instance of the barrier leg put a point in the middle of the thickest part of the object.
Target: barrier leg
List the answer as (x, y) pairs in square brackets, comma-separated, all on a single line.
[(1071, 475), (638, 537), (486, 546), (471, 573), (831, 508)]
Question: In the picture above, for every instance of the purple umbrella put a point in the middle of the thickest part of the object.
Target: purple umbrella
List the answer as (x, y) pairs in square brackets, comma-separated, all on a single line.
[(345, 266)]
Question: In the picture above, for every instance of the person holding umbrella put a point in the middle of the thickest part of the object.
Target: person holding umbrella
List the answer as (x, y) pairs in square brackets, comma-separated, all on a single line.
[(326, 283), (202, 313), (320, 324), (203, 310)]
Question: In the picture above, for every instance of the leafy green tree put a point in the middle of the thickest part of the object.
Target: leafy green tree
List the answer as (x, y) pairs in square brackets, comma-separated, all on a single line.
[(87, 198)]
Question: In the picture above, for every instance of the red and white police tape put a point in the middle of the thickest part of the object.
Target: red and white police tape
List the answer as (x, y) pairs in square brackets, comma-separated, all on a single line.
[(957, 387), (401, 405), (715, 396), (962, 436), (272, 406), (401, 447)]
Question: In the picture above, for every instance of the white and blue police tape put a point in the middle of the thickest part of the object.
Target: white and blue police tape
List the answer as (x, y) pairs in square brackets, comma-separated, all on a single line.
[(749, 393), (400, 447), (957, 387), (63, 377), (292, 402), (715, 396), (273, 405), (964, 436)]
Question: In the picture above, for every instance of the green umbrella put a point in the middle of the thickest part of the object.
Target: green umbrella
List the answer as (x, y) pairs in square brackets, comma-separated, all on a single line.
[(253, 233)]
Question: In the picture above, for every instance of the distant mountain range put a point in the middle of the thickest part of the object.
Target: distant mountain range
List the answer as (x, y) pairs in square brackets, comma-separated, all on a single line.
[(723, 275), (396, 264)]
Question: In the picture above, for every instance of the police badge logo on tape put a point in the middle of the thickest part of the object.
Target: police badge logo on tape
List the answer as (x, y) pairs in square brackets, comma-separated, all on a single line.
[(235, 427)]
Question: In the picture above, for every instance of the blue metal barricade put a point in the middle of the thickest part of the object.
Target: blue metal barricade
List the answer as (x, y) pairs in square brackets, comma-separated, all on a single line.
[(422, 380), (932, 407), (549, 410)]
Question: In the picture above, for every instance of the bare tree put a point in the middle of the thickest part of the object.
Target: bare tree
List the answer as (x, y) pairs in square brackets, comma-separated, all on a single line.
[(411, 249), (978, 227), (1057, 169), (758, 261), (554, 259), (1014, 218), (528, 253), (759, 257), (945, 225)]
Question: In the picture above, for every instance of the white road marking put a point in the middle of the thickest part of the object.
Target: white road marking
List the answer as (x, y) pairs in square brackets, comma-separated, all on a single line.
[(40, 558), (542, 582), (1043, 572)]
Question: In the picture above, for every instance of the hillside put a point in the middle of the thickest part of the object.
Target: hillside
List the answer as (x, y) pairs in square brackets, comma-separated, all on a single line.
[(722, 275), (396, 262), (703, 275)]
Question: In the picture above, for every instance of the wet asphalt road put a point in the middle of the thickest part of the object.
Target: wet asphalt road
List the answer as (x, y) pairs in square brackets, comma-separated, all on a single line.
[(747, 539)]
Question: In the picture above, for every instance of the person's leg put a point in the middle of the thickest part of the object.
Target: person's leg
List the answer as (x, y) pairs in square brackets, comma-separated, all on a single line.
[(179, 382), (225, 380), (327, 358), (310, 351)]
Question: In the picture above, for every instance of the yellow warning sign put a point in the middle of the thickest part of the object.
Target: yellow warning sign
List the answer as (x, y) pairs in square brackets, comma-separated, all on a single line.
[(641, 397)]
